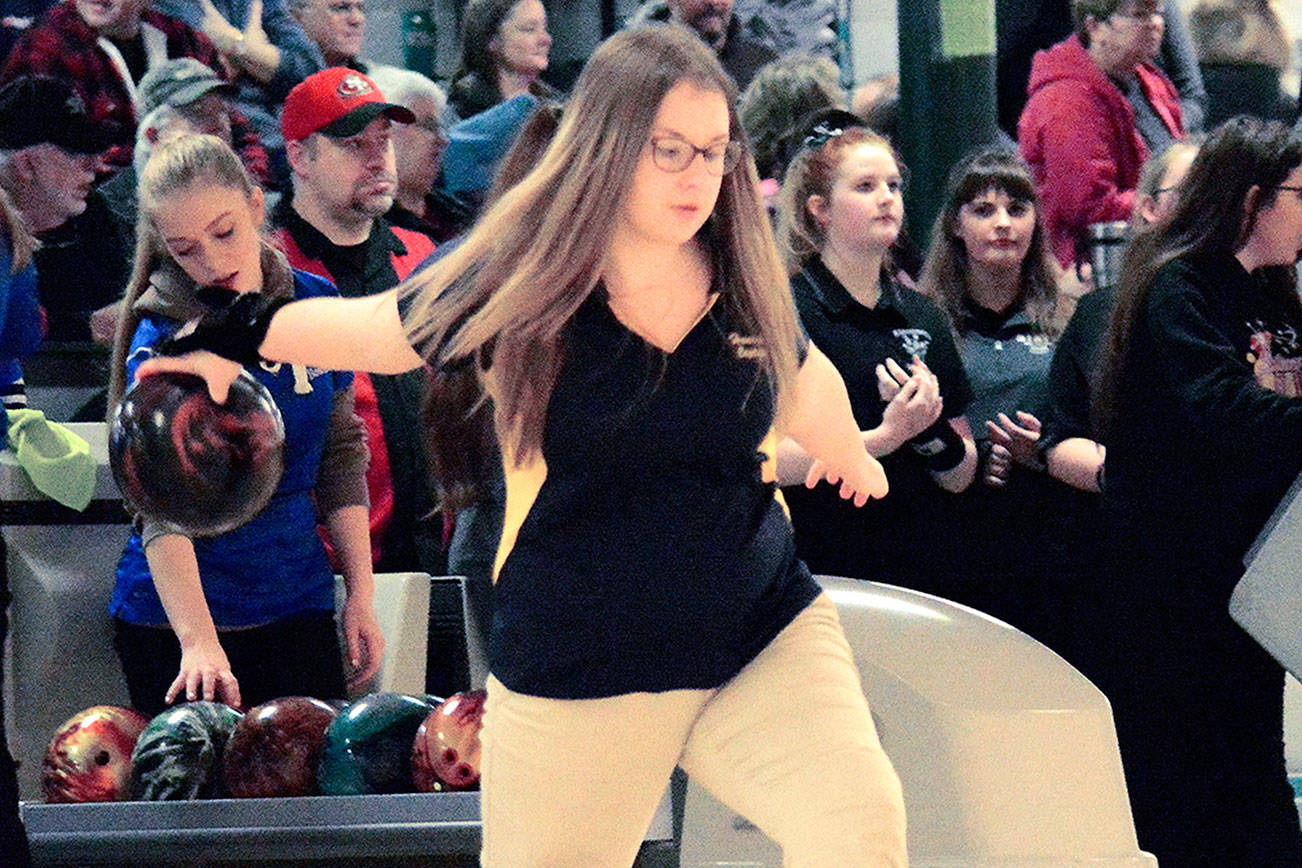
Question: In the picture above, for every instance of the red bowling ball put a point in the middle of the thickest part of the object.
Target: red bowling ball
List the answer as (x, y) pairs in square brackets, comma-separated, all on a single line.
[(276, 747), (199, 467), (89, 758), (446, 752)]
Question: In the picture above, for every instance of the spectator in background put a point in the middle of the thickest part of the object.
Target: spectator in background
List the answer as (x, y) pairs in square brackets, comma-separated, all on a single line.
[(840, 214), (267, 52), (1027, 26), (49, 151), (104, 49), (21, 328), (782, 92), (504, 49), (418, 152), (1071, 452), (713, 20), (194, 96), (1079, 132), (18, 17), (1197, 393), (877, 101), (337, 27), (337, 127), (989, 268), (17, 286), (1243, 51)]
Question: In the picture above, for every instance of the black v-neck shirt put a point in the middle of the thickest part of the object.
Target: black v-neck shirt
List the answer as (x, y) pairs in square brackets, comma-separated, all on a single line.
[(654, 556)]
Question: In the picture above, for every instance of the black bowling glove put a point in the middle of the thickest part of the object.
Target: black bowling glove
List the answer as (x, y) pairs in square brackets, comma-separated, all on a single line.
[(234, 326)]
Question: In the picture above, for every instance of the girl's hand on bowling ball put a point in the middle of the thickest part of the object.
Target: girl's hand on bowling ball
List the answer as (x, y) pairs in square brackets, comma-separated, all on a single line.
[(205, 674), (365, 640), (216, 371)]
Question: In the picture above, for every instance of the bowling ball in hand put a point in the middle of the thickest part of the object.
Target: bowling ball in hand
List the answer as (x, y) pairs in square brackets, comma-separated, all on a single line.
[(179, 755), (446, 753), (199, 467), (89, 758), (276, 747), (368, 747)]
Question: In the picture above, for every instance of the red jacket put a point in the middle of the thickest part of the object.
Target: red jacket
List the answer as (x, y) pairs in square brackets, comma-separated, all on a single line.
[(62, 45), (1078, 134), (379, 475)]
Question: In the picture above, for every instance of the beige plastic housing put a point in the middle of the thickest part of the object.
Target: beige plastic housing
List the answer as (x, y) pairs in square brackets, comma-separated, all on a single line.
[(1007, 755)]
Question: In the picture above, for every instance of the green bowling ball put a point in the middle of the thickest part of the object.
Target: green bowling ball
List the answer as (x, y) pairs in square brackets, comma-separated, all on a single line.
[(368, 746), (179, 755)]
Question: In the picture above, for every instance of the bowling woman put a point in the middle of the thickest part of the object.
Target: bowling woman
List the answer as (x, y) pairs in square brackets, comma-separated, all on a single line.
[(246, 616), (1201, 373), (630, 315), (840, 216)]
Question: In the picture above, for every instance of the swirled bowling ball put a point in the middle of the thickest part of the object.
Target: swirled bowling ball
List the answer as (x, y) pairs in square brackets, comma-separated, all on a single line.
[(89, 758), (178, 756), (276, 747), (199, 467), (446, 753), (368, 747)]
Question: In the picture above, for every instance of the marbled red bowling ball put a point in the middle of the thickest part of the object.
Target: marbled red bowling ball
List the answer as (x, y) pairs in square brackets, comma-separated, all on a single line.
[(446, 753), (202, 468), (89, 758), (275, 748)]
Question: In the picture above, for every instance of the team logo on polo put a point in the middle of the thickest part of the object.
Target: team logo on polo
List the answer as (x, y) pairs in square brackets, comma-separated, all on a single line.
[(914, 341), (353, 86)]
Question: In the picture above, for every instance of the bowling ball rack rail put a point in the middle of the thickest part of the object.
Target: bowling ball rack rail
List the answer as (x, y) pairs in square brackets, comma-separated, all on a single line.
[(392, 829), (258, 831)]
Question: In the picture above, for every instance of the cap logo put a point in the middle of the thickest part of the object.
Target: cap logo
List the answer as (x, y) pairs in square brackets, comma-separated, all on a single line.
[(353, 86), (74, 107)]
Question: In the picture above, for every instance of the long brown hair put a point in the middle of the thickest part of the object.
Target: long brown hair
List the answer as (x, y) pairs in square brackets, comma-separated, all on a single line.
[(457, 415), (516, 281), (945, 272), (1210, 219), (21, 240), (174, 165)]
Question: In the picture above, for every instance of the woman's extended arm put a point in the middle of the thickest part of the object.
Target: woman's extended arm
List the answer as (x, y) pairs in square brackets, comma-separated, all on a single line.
[(819, 420), (337, 334), (205, 671)]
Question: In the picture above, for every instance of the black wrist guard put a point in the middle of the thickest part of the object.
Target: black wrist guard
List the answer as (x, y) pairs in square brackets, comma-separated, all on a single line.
[(939, 447), (233, 328)]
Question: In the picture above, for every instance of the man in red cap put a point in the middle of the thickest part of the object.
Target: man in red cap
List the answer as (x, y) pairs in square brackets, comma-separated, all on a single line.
[(337, 138)]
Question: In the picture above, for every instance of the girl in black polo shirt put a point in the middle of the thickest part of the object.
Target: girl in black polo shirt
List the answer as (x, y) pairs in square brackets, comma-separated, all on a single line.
[(840, 214), (629, 310)]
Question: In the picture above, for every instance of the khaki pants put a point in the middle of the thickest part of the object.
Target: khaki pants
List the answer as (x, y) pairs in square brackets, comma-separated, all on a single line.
[(788, 743)]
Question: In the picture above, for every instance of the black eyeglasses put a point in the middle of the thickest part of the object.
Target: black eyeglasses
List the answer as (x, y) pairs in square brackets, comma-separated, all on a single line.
[(1295, 189), (675, 155)]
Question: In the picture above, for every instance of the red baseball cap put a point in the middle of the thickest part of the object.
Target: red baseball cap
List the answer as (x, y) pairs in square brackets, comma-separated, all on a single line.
[(337, 102)]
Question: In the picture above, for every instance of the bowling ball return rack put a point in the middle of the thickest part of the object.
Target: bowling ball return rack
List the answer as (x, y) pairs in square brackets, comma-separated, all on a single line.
[(262, 831), (407, 829)]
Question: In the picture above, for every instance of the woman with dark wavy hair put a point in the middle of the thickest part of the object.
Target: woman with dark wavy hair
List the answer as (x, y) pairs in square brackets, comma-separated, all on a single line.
[(1199, 406)]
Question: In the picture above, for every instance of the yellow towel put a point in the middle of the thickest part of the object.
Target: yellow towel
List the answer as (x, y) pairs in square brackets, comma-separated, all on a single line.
[(56, 460)]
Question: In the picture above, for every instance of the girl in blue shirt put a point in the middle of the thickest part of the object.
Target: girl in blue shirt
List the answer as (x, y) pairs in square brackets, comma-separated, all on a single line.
[(248, 615)]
